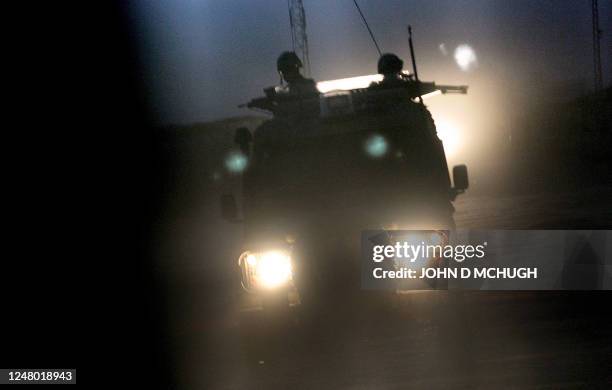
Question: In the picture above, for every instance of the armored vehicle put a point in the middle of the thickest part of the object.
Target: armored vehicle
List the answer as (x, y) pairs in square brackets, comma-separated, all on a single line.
[(326, 167)]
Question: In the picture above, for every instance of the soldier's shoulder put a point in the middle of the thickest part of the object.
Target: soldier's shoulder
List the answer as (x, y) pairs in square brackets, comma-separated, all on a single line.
[(375, 85), (304, 85), (308, 82)]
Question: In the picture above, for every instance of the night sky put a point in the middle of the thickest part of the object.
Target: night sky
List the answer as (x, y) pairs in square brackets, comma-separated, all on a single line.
[(203, 58)]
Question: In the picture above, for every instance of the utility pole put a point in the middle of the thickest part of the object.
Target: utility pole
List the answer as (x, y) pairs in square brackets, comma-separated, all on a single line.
[(596, 46), (299, 39)]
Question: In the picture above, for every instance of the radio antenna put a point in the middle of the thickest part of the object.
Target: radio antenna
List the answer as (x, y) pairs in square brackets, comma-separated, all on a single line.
[(414, 67), (368, 27)]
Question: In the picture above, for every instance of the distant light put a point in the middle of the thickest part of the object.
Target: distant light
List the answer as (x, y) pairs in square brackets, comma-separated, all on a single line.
[(443, 50), (350, 82), (449, 135), (251, 260), (465, 57), (376, 146), (236, 162)]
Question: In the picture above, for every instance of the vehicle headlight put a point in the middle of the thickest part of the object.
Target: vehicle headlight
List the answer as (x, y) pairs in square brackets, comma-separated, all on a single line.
[(266, 269)]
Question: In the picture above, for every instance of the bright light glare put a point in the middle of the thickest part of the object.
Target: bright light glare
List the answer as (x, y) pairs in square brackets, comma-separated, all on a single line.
[(350, 82), (449, 135), (376, 146), (465, 57), (273, 269), (236, 162), (251, 260)]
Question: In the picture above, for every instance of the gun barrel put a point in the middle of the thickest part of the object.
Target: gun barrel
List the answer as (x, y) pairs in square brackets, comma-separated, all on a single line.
[(262, 103), (462, 89), (425, 87)]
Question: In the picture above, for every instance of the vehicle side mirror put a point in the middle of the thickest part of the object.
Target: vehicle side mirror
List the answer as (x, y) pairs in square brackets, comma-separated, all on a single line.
[(243, 138), (229, 209), (460, 178)]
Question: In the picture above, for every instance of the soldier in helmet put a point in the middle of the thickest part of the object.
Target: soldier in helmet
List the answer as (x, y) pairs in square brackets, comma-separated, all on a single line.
[(288, 66), (390, 66), (298, 96)]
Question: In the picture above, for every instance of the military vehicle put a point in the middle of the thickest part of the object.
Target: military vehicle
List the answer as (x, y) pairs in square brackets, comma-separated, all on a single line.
[(323, 169)]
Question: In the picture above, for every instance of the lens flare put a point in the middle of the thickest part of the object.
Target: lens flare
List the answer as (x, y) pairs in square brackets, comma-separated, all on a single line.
[(465, 57), (376, 146), (442, 48), (236, 162)]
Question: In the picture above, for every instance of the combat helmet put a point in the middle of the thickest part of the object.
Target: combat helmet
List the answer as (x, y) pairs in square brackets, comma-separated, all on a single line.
[(288, 60), (389, 63)]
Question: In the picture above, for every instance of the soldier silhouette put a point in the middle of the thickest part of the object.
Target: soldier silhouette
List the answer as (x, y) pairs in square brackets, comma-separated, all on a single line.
[(288, 66), (390, 66)]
